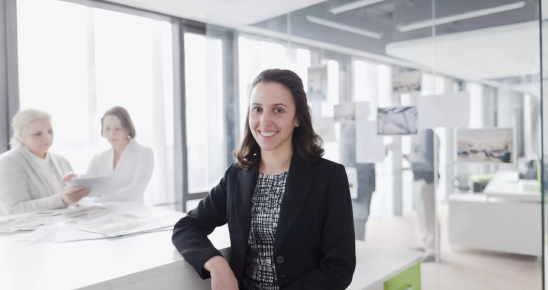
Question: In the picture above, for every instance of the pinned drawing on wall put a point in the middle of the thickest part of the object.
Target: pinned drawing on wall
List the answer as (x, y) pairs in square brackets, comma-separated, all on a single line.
[(363, 111), (317, 83), (369, 145), (447, 110), (352, 175), (325, 127), (397, 121), (345, 113), (494, 145), (406, 81)]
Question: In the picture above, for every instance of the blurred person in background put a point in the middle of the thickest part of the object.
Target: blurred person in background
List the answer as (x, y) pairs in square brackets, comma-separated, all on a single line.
[(31, 177), (130, 163)]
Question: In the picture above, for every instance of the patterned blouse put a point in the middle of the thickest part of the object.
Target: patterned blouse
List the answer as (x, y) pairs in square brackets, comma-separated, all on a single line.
[(260, 270)]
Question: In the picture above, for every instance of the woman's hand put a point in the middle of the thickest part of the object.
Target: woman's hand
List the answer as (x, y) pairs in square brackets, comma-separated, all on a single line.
[(222, 277), (69, 177), (73, 194)]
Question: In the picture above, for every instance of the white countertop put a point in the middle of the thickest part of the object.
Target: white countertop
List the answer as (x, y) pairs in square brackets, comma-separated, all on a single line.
[(506, 185), (111, 263), (376, 264)]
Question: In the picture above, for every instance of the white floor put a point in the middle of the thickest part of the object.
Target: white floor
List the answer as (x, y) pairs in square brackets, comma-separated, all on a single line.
[(458, 270)]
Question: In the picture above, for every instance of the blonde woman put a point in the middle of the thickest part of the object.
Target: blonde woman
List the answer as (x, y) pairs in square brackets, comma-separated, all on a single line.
[(31, 177), (130, 163)]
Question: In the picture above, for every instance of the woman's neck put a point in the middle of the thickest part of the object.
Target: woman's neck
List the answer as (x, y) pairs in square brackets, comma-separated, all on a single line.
[(277, 161), (119, 149), (42, 155)]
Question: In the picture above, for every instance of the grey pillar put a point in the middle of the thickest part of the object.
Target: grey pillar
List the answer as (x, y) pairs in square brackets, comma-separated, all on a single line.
[(9, 81)]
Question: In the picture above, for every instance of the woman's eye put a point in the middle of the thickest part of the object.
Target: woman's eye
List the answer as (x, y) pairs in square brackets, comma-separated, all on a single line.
[(278, 110), (256, 109)]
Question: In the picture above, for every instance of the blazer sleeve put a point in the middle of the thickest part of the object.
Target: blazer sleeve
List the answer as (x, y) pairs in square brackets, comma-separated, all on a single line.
[(139, 182), (337, 266), (190, 233), (15, 194)]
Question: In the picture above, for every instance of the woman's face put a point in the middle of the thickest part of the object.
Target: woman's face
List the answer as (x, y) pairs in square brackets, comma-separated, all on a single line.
[(39, 137), (113, 130), (272, 115)]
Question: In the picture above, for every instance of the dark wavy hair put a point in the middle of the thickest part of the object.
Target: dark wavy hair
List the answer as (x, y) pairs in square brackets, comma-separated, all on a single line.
[(305, 141)]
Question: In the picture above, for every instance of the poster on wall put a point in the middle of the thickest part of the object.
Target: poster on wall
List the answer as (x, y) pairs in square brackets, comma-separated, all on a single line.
[(397, 121), (447, 110), (317, 83), (325, 127), (406, 82), (352, 175), (494, 145), (369, 146), (345, 113)]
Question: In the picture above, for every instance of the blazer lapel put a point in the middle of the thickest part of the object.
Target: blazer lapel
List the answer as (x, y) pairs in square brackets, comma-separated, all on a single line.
[(245, 187), (297, 187)]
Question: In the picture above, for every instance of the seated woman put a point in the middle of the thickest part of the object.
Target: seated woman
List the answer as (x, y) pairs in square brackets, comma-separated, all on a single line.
[(130, 163), (31, 178)]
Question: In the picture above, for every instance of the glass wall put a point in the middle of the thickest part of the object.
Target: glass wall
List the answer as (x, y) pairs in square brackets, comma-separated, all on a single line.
[(434, 109)]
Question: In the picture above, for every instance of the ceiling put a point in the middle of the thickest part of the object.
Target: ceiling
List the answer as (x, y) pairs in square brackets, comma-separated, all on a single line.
[(490, 47), (491, 53), (221, 12)]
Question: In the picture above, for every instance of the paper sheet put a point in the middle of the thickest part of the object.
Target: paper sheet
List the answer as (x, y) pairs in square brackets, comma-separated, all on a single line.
[(345, 112), (369, 146), (352, 175), (325, 127), (406, 81), (448, 110)]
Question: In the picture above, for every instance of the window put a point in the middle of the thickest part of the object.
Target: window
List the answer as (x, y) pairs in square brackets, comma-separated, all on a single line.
[(76, 62), (205, 112)]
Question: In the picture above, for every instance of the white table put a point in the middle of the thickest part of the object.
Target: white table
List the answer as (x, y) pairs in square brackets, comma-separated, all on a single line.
[(149, 261), (503, 219), (506, 185)]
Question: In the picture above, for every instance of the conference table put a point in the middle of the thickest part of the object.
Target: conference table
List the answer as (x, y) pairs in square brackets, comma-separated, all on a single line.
[(150, 261)]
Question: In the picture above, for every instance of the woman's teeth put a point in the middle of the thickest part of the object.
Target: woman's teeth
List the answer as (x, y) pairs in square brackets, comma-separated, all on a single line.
[(268, 134)]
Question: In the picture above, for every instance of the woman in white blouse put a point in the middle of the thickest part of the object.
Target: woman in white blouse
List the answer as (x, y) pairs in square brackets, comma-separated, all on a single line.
[(31, 177), (130, 163)]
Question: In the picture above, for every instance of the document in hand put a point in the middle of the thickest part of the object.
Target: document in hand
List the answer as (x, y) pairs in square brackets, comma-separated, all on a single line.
[(99, 185)]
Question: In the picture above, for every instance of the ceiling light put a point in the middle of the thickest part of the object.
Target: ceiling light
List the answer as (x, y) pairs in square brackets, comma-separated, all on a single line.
[(352, 6), (343, 27), (468, 15)]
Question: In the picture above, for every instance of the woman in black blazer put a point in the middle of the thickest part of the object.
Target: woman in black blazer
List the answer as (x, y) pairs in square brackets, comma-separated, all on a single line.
[(288, 211)]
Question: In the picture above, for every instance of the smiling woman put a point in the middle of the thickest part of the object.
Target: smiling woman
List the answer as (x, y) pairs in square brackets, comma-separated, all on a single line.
[(279, 116), (288, 210)]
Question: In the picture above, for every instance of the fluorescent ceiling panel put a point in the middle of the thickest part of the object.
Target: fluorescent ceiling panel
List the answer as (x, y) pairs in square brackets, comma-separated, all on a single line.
[(344, 27), (459, 17), (352, 6)]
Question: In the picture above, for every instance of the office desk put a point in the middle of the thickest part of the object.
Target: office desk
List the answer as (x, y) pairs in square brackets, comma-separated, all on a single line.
[(503, 219), (149, 261)]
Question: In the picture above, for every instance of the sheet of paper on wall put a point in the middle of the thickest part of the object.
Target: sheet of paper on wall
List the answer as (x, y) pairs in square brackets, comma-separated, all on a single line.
[(345, 112), (369, 146), (325, 127), (317, 83), (352, 175), (448, 110), (363, 111), (406, 81)]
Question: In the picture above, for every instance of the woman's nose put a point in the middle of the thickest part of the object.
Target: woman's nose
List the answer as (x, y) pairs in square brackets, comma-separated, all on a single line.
[(265, 118)]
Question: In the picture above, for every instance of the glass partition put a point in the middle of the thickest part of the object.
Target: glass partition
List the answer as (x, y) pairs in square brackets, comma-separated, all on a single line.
[(434, 109)]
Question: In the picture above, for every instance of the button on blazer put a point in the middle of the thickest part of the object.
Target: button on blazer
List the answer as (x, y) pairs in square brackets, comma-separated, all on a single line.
[(314, 241)]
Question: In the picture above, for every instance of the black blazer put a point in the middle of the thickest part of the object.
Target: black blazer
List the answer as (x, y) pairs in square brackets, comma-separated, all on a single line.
[(314, 243)]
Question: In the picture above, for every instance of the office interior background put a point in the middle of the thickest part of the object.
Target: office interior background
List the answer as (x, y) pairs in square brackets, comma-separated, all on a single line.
[(183, 69)]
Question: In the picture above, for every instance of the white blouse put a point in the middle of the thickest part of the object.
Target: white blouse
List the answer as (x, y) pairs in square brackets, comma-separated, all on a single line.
[(131, 175)]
